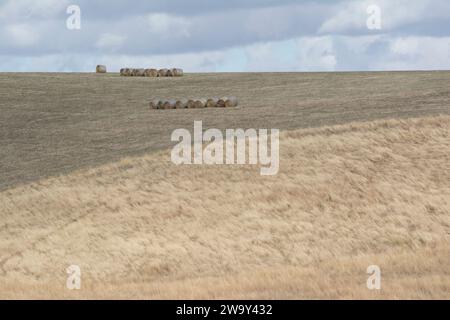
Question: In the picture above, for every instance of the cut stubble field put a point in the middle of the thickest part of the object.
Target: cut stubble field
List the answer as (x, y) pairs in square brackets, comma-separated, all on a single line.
[(52, 124), (347, 196)]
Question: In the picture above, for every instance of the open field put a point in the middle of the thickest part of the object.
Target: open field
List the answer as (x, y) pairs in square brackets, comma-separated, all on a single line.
[(52, 124), (346, 197)]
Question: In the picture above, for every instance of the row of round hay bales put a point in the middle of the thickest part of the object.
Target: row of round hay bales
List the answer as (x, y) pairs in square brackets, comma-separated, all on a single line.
[(226, 102), (128, 72)]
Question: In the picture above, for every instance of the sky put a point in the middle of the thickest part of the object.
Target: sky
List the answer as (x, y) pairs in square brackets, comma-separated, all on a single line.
[(224, 35)]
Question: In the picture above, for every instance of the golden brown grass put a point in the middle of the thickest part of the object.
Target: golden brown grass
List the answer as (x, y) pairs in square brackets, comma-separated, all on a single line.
[(346, 197)]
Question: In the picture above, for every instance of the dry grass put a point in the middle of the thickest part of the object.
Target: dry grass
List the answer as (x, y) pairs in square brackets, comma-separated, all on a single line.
[(346, 197)]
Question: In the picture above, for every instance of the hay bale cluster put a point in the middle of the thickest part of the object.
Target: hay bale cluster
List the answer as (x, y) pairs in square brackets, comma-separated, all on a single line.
[(201, 103), (226, 102), (128, 72)]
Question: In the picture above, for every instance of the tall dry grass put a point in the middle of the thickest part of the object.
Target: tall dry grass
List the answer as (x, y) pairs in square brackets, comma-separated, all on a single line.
[(346, 197)]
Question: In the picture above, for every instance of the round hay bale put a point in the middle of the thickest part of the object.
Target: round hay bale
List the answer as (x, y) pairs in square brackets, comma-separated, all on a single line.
[(125, 72), (100, 69), (177, 72), (169, 73), (212, 102), (154, 72), (162, 72), (231, 102), (139, 73), (200, 103), (191, 103), (181, 104), (170, 104), (221, 102), (151, 72), (155, 104)]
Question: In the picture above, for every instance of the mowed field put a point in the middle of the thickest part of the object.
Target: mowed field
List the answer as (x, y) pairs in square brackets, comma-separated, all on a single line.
[(86, 179), (52, 124)]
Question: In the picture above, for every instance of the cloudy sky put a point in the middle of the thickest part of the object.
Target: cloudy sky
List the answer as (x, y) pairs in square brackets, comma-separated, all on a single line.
[(225, 35)]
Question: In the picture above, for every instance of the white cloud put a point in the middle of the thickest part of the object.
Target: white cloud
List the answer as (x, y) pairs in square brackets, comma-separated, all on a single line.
[(25, 9), (190, 62), (199, 62), (110, 41), (417, 53), (385, 53), (326, 53), (21, 35), (263, 57), (316, 54), (300, 54), (352, 15), (405, 46), (166, 25), (350, 53)]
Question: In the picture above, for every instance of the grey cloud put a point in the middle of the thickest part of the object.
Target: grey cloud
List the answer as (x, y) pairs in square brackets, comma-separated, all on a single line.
[(107, 9), (156, 29), (216, 30)]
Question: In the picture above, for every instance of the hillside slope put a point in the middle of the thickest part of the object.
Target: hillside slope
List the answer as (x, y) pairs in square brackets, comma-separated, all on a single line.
[(346, 197)]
